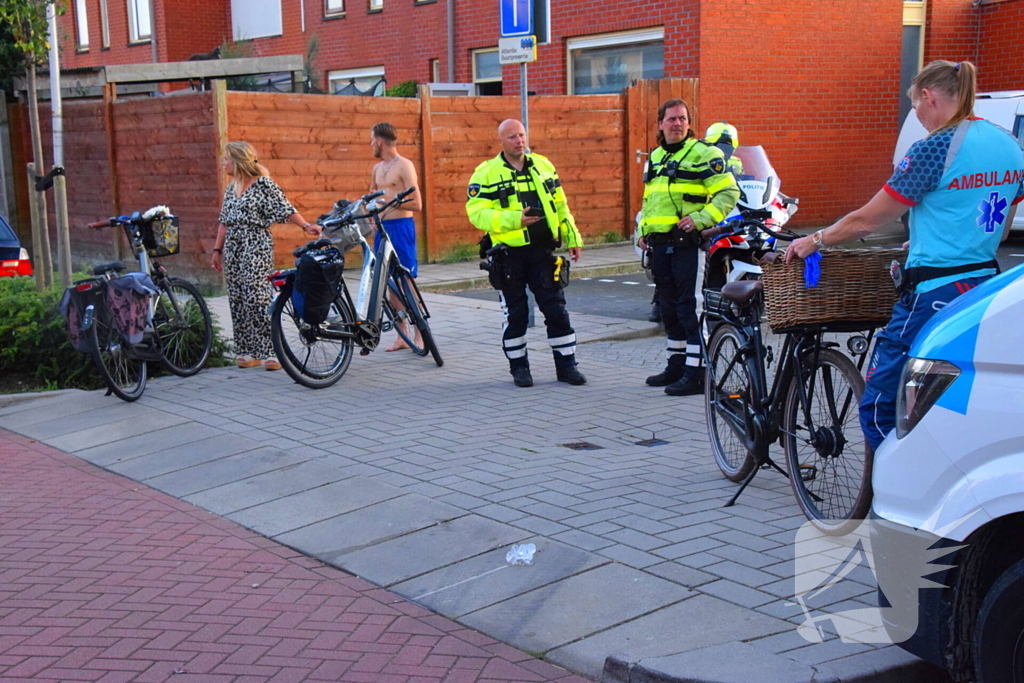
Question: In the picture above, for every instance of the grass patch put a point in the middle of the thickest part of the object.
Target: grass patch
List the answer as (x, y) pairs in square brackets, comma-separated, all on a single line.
[(460, 253)]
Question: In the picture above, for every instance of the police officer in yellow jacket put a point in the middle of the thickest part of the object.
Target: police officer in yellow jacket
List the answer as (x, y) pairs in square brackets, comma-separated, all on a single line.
[(687, 189), (517, 199)]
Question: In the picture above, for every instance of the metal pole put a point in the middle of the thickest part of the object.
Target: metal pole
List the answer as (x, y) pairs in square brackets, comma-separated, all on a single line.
[(60, 194), (524, 109), (152, 29), (451, 41)]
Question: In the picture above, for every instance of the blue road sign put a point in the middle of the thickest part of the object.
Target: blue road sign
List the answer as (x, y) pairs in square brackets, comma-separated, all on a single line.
[(516, 18)]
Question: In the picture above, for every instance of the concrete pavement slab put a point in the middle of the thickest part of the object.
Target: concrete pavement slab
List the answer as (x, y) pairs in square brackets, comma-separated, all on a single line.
[(488, 579), (144, 444), (182, 457), (423, 551), (556, 614), (727, 663), (264, 488), (366, 526), (45, 424), (699, 622), (208, 475), (109, 432), (315, 505)]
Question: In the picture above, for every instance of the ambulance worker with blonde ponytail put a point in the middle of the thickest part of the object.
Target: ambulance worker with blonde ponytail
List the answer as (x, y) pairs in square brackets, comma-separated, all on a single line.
[(244, 250), (961, 185)]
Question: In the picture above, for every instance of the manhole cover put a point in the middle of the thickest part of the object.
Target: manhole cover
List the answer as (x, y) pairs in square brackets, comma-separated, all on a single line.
[(651, 442), (581, 446)]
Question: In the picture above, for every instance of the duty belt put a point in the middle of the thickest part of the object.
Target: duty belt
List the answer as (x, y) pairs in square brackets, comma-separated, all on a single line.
[(918, 274)]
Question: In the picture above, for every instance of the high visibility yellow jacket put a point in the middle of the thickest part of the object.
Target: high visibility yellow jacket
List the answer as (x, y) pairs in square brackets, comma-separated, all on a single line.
[(692, 181), (494, 205)]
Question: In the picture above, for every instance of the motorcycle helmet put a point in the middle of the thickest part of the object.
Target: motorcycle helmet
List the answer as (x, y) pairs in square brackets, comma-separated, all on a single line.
[(723, 136)]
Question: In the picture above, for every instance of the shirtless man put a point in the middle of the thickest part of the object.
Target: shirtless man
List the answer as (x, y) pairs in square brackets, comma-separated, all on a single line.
[(394, 174)]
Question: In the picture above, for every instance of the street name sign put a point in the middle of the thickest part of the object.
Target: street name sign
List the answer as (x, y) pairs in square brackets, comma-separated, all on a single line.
[(517, 50)]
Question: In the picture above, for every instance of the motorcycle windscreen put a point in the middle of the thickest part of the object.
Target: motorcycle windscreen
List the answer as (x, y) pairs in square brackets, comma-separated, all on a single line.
[(755, 176)]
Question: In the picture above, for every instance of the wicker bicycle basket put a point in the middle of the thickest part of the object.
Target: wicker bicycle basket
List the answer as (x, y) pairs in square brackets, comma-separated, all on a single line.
[(855, 288), (160, 236)]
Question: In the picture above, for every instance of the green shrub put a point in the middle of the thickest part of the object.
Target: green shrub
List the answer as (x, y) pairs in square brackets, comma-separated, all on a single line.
[(403, 89), (613, 236), (34, 338)]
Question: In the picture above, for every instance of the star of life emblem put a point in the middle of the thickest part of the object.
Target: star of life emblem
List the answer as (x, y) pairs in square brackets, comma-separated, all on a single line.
[(992, 212)]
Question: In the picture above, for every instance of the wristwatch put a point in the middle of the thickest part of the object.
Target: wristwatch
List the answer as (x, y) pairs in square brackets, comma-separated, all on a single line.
[(816, 238)]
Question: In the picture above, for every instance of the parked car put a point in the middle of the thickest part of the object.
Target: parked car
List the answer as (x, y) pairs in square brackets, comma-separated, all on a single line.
[(951, 478), (13, 257), (1005, 109)]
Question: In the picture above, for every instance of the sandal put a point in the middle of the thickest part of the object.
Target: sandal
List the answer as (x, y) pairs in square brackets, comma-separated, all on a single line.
[(247, 362), (271, 364)]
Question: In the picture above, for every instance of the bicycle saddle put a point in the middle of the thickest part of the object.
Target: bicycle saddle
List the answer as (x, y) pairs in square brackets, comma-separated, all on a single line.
[(742, 292), (113, 266)]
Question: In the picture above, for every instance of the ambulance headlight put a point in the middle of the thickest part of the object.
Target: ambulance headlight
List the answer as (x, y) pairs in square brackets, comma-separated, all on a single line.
[(921, 385)]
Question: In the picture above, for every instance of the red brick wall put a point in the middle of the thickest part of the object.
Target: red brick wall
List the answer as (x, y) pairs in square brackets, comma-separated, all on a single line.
[(951, 31), (1000, 66), (806, 81)]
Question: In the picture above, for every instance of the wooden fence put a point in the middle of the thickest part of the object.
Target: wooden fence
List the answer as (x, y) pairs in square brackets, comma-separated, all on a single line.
[(129, 155)]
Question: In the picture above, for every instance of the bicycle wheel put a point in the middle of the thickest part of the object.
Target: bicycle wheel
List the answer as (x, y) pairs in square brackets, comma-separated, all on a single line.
[(727, 394), (182, 321), (413, 302), (828, 459), (308, 358), (124, 374), (401, 321)]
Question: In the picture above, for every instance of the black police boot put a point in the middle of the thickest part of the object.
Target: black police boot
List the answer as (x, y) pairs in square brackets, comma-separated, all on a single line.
[(672, 373), (566, 370), (690, 385), (520, 369)]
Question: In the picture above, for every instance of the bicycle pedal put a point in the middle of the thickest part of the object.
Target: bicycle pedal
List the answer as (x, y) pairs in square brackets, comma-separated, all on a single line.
[(364, 352), (808, 472)]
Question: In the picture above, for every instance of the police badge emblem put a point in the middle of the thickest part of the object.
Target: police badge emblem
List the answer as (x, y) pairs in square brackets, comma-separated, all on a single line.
[(717, 165), (474, 190)]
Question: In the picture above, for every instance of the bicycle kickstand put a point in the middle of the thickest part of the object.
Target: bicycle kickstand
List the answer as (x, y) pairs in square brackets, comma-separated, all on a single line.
[(753, 473)]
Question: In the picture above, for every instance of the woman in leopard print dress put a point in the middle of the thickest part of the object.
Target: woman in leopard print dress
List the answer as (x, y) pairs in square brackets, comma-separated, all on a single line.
[(245, 250)]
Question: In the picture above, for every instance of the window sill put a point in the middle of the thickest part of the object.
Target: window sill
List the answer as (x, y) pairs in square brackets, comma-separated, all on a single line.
[(375, 11), (136, 43), (81, 50), (331, 17), (417, 3)]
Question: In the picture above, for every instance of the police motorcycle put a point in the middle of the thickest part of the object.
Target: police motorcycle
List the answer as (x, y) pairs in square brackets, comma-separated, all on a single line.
[(735, 246)]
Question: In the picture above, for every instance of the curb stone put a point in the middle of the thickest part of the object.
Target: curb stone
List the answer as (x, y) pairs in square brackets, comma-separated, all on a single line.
[(481, 282), (8, 400)]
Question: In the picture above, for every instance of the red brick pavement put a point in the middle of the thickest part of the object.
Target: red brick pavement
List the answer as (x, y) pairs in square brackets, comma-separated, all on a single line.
[(103, 579)]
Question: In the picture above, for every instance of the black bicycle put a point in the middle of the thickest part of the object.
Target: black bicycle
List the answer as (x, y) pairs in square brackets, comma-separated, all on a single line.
[(176, 330), (316, 353), (810, 406)]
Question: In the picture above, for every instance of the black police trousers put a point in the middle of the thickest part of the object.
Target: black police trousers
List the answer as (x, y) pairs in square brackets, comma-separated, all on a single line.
[(675, 274), (534, 268)]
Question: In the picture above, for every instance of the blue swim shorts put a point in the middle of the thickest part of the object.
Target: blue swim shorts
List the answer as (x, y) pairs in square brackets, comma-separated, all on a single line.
[(402, 232)]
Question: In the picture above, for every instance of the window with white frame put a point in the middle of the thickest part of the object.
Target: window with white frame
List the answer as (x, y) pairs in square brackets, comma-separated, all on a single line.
[(104, 24), (487, 72), (81, 25), (435, 70), (610, 62), (333, 8), (376, 5), (140, 23), (367, 81), (255, 19)]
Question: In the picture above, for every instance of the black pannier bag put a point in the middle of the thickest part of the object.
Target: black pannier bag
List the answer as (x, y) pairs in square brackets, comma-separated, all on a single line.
[(317, 281), (76, 299)]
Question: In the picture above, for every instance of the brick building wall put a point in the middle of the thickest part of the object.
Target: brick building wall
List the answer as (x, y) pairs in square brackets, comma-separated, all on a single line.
[(1000, 66)]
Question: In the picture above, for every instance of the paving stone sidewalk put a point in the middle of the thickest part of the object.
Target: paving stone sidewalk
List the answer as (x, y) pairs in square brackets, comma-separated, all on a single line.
[(103, 579), (418, 478)]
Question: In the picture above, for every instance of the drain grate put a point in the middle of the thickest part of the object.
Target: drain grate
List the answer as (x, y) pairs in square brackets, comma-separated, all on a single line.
[(651, 442), (581, 446)]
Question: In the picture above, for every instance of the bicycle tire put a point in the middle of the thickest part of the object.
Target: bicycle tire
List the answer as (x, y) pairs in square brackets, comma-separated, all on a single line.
[(397, 317), (831, 482), (309, 359), (727, 391), (186, 342), (413, 302), (124, 375)]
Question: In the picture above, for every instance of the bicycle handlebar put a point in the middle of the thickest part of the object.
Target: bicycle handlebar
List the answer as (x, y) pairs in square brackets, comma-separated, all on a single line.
[(99, 224)]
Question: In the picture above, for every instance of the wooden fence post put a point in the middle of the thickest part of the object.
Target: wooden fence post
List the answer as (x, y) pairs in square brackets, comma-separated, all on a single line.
[(427, 182), (109, 97), (636, 148)]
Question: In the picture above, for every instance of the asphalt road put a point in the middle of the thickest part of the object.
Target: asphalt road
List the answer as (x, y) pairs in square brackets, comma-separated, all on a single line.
[(629, 296)]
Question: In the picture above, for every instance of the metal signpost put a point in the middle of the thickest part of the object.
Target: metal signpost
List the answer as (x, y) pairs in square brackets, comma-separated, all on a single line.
[(517, 44)]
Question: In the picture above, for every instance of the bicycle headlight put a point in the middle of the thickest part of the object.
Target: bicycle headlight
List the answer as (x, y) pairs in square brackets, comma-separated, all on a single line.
[(922, 383)]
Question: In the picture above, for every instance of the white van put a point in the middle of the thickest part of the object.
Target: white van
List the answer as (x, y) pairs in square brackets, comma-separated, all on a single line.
[(951, 477), (1005, 109)]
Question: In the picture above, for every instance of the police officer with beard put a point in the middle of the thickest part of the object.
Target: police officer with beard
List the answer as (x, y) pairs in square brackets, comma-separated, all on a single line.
[(687, 189), (517, 199)]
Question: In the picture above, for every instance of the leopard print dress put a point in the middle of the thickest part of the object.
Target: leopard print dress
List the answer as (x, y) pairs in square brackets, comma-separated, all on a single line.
[(248, 257)]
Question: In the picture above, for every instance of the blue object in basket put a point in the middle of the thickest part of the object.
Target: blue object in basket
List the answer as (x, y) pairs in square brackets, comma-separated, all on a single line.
[(812, 270)]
